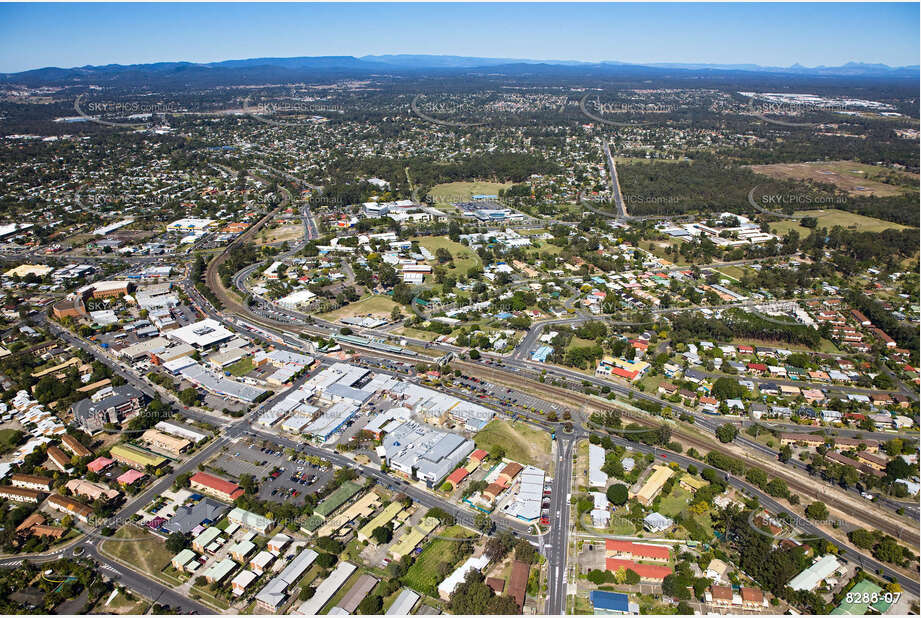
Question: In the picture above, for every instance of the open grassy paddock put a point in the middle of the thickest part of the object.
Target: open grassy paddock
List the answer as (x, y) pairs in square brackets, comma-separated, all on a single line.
[(829, 218), (139, 548), (522, 442), (378, 306), (462, 191), (423, 576), (464, 257)]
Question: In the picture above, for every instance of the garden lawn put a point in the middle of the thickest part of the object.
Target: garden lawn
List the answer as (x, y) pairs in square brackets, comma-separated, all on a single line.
[(422, 576)]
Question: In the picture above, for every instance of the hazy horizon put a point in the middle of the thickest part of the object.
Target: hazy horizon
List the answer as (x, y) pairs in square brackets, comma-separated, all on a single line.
[(818, 34)]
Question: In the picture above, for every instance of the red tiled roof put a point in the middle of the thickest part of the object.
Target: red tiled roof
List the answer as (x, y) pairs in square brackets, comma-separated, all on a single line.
[(512, 470), (59, 456), (74, 445), (752, 595), (639, 550), (646, 571), (130, 476), (496, 583), (217, 484), (478, 455), (721, 592), (518, 581), (457, 476), (623, 373)]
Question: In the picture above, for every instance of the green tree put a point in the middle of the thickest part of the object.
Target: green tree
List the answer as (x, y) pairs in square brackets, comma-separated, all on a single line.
[(817, 511), (863, 539), (176, 542), (189, 396), (785, 453), (888, 550), (382, 534), (617, 494), (727, 432), (483, 523), (371, 604)]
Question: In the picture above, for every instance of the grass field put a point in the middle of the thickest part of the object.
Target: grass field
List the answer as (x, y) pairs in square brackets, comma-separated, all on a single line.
[(415, 333), (657, 248), (546, 247), (733, 272), (464, 257), (139, 548), (675, 502), (579, 342), (423, 576), (522, 443), (626, 160), (462, 191), (378, 306), (241, 367), (6, 439), (855, 178), (825, 346), (830, 218), (620, 525)]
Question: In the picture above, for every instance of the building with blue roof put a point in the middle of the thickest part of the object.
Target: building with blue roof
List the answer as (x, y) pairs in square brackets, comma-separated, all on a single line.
[(612, 603), (540, 354)]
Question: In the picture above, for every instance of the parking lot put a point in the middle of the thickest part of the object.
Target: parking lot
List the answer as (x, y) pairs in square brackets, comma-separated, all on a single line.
[(294, 475)]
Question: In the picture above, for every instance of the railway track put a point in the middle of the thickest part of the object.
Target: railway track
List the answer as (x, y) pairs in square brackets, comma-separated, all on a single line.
[(580, 403), (794, 482)]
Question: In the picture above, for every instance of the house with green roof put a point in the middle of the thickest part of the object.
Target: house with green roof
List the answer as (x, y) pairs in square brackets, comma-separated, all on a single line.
[(251, 521), (241, 550), (183, 558), (203, 541), (411, 539), (219, 571), (340, 496), (381, 519), (136, 457), (864, 596)]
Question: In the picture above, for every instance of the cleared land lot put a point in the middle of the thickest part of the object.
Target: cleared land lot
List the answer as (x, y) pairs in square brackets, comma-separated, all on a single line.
[(291, 232), (241, 367), (378, 306), (464, 257), (463, 191), (829, 218), (139, 548), (855, 178), (522, 443)]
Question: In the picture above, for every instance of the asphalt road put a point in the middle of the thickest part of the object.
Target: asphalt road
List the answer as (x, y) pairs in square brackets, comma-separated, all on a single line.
[(558, 543), (704, 421)]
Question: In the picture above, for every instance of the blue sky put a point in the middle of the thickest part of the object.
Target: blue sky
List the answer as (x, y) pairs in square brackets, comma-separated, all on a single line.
[(66, 35)]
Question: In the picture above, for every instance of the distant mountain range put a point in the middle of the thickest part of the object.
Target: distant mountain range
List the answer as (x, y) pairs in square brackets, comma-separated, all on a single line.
[(851, 68), (279, 70)]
